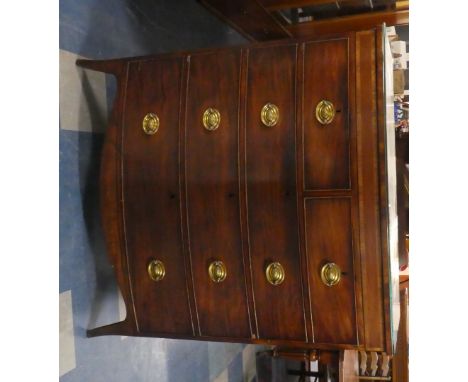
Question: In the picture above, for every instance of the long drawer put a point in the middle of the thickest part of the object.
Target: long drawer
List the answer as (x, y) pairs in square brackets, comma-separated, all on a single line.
[(150, 174), (271, 193), (212, 178)]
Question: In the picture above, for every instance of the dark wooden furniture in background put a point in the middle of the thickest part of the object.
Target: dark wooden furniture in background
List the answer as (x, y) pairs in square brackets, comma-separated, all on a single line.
[(400, 371), (262, 20), (244, 194), (402, 160)]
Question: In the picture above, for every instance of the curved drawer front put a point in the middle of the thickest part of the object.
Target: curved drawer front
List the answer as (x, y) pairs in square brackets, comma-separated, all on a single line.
[(213, 194), (271, 193), (151, 196)]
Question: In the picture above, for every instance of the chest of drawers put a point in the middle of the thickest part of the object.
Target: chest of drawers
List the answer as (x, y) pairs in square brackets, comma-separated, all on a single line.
[(244, 194)]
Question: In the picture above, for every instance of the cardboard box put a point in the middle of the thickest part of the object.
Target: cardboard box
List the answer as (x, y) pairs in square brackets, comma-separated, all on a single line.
[(399, 81)]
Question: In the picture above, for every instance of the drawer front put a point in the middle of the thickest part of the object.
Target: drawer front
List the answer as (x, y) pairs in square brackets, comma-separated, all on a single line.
[(213, 194), (271, 193), (326, 145), (329, 241), (151, 197)]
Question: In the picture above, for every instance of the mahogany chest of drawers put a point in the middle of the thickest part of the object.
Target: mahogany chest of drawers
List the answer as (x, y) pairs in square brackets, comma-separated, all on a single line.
[(244, 194)]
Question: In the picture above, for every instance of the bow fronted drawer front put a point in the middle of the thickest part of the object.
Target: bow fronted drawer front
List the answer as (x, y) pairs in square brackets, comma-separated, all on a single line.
[(271, 192), (151, 196), (212, 178)]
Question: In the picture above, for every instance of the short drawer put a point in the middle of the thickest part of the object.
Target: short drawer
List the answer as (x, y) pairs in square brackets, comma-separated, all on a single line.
[(331, 274), (326, 115)]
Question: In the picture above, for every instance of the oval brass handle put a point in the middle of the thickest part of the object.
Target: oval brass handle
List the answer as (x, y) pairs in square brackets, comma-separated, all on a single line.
[(269, 114), (156, 270), (325, 112), (217, 271), (331, 274), (150, 123), (211, 119), (275, 273)]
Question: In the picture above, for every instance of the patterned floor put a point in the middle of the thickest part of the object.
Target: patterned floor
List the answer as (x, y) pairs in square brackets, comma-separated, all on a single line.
[(88, 291)]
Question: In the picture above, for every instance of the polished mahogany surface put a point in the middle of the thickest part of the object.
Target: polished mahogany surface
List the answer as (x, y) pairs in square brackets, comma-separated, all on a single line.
[(285, 191), (326, 147), (368, 178), (329, 240), (151, 207), (271, 192), (212, 194)]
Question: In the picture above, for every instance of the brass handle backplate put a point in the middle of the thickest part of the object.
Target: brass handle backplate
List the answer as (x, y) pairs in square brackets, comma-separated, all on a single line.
[(150, 123), (331, 274), (211, 119), (325, 112), (275, 273), (217, 271), (270, 114), (156, 270)]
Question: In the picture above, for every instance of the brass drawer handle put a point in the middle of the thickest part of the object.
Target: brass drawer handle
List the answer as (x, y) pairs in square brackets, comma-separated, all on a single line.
[(331, 274), (275, 273), (156, 270), (325, 112), (150, 123), (217, 271), (270, 114), (211, 119)]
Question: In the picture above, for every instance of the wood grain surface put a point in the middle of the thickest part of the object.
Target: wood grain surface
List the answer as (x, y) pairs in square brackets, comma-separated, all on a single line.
[(271, 192), (151, 196), (213, 194)]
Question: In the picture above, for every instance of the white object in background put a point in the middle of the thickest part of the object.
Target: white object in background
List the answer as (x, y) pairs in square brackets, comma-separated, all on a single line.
[(67, 360), (223, 377), (400, 62), (249, 367), (391, 31), (122, 309), (398, 47)]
